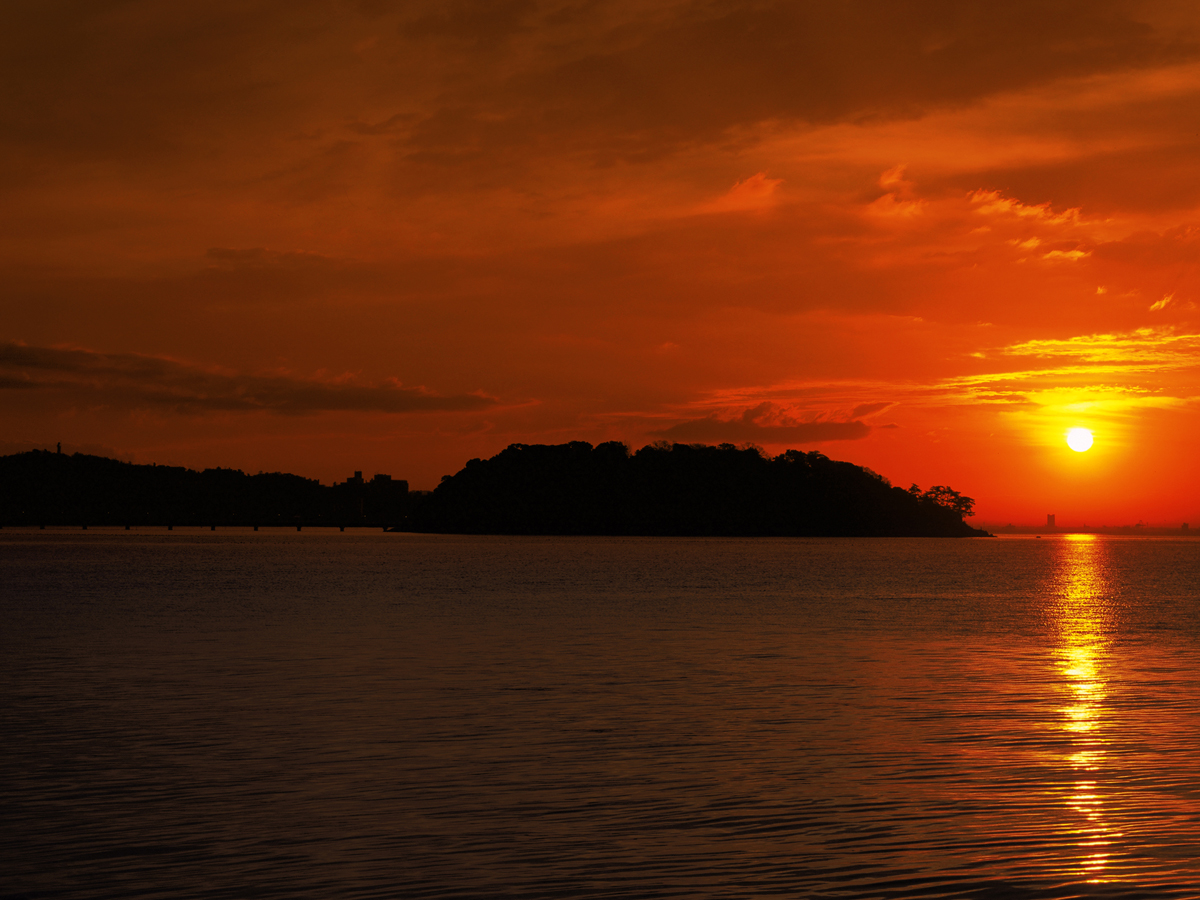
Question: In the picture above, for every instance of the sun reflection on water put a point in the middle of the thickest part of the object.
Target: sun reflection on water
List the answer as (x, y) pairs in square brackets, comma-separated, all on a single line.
[(1082, 613)]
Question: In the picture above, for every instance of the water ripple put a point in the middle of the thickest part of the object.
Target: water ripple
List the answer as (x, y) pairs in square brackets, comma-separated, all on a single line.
[(328, 716)]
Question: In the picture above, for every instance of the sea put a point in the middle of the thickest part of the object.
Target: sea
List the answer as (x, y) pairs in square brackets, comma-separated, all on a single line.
[(319, 714)]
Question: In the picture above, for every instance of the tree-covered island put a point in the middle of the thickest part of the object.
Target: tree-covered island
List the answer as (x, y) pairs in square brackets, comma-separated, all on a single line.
[(574, 488), (682, 489)]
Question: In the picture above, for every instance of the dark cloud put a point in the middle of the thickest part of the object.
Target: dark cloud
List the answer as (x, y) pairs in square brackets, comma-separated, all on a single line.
[(131, 380), (1012, 398), (241, 277), (708, 68), (8, 383), (758, 425), (867, 409), (138, 81), (265, 258)]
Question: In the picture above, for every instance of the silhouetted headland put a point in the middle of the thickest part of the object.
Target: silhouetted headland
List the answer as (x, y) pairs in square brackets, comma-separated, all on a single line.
[(44, 488), (575, 488), (681, 489)]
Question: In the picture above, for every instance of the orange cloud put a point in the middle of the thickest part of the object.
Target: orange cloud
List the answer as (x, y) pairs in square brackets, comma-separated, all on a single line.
[(754, 193)]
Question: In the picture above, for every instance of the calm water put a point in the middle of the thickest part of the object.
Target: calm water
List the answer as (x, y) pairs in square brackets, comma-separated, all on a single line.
[(333, 715)]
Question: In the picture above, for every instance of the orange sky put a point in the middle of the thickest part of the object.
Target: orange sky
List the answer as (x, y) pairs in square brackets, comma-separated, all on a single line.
[(926, 237)]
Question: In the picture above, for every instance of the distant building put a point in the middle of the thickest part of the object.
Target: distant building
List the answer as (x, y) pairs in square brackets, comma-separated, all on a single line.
[(1185, 528), (382, 500), (379, 482), (1050, 520)]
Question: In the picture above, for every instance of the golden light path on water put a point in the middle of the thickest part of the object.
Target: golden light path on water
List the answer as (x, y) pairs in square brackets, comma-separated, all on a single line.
[(1083, 611)]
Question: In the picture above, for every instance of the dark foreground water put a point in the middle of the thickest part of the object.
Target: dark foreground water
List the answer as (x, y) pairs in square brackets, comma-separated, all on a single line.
[(328, 715)]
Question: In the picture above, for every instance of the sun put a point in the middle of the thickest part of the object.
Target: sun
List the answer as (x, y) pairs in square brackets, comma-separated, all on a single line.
[(1079, 439)]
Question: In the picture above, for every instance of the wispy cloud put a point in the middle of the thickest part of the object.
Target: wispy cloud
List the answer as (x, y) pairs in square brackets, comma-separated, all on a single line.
[(1139, 368), (133, 380), (1158, 347)]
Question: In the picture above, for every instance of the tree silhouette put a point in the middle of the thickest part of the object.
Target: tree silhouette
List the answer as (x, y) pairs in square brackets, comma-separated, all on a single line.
[(681, 489)]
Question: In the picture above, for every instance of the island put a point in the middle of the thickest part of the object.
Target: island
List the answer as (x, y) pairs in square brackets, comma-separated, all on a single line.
[(685, 490), (565, 489)]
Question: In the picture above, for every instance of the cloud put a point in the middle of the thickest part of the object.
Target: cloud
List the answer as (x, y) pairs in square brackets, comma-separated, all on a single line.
[(753, 193), (900, 199), (1011, 398), (1159, 347), (995, 204), (628, 79), (765, 424), (681, 73), (137, 381), (867, 409)]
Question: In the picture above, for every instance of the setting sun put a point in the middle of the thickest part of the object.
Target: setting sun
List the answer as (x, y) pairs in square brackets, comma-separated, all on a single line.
[(1079, 439)]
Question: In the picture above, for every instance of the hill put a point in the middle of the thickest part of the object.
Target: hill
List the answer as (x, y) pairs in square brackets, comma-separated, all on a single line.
[(575, 488), (44, 488), (681, 489)]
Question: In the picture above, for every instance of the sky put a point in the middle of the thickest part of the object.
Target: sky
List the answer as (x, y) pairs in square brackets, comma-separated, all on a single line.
[(321, 236)]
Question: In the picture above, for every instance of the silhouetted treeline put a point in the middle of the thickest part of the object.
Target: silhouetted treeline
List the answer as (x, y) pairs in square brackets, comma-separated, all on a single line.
[(681, 489), (575, 488), (44, 488)]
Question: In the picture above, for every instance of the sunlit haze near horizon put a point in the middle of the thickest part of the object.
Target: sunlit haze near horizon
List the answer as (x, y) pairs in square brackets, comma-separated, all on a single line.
[(930, 238)]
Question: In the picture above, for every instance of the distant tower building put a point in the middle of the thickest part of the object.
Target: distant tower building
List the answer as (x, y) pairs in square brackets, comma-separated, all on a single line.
[(1049, 520), (1185, 528)]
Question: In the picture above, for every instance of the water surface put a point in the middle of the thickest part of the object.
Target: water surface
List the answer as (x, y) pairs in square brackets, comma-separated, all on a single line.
[(272, 714)]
